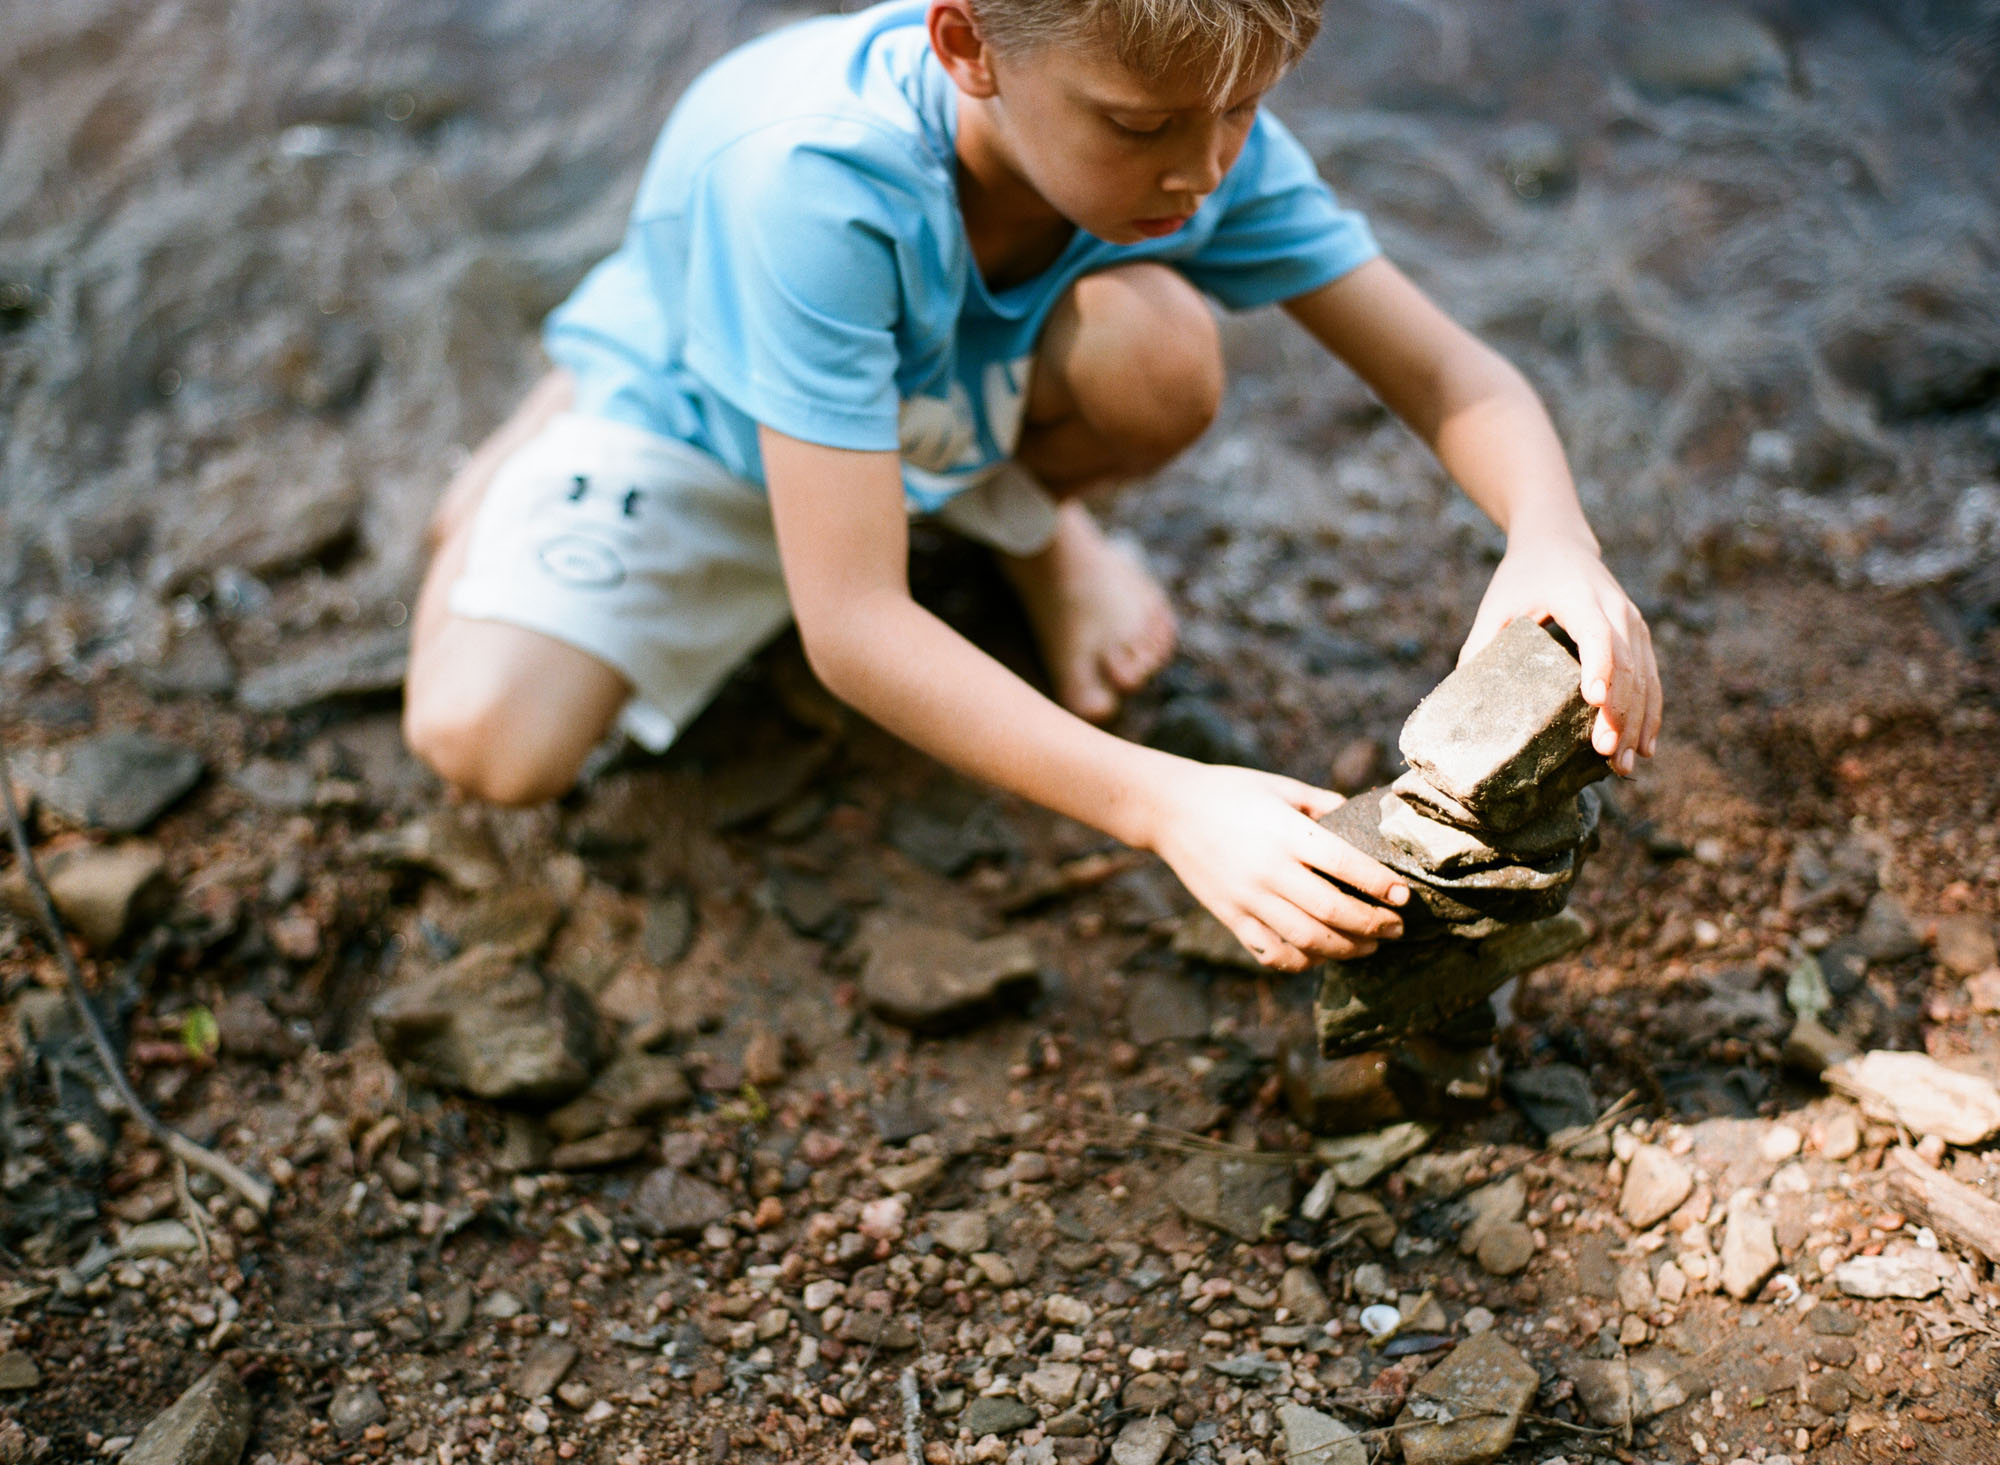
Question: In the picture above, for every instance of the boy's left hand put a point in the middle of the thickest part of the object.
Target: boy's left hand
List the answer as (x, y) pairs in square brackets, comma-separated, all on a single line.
[(1561, 578)]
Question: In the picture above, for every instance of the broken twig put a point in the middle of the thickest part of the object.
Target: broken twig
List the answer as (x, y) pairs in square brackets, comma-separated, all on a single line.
[(254, 1191)]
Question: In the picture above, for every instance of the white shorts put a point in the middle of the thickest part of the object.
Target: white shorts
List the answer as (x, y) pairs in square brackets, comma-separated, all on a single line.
[(652, 557)]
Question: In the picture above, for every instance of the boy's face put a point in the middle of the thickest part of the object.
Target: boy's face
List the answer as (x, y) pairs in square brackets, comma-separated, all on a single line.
[(1122, 158)]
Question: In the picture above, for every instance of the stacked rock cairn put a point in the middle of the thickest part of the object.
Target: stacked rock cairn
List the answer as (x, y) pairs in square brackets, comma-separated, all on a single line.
[(1490, 824)]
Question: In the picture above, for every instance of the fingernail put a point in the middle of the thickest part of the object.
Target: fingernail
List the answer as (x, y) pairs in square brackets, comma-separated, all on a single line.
[(1398, 894), (1598, 691), (1626, 762), (1393, 931)]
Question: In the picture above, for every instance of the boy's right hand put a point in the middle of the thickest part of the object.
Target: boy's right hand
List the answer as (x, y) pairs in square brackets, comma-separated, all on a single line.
[(1246, 846)]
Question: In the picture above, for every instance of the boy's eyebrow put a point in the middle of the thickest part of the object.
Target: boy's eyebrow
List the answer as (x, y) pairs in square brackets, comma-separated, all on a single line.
[(1147, 106)]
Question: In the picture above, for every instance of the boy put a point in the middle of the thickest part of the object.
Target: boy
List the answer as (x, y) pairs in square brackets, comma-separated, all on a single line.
[(950, 256)]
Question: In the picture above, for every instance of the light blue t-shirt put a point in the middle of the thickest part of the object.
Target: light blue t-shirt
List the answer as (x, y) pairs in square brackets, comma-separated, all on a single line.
[(797, 258)]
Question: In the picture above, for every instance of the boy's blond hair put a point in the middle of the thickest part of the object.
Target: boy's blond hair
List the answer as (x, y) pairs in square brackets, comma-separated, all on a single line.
[(1218, 44)]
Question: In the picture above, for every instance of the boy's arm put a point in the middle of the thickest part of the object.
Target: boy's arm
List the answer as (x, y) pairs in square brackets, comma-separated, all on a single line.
[(1243, 842), (1493, 436)]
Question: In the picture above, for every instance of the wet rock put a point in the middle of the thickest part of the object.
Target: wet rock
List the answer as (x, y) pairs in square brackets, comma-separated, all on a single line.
[(490, 1026), (1749, 1248), (18, 1373), (1911, 1273), (1494, 733), (1336, 1095), (634, 1088), (249, 1029), (1886, 932), (1313, 1438), (671, 1203), (353, 664), (997, 1416), (1964, 944), (1233, 1195), (1921, 1094), (353, 1408), (1301, 1295), (208, 1425), (121, 781), (1359, 1160), (961, 1232), (1144, 1441), (1554, 1097), (1711, 50), (548, 1363), (1655, 1185), (932, 979), (1166, 1007), (1467, 1409)]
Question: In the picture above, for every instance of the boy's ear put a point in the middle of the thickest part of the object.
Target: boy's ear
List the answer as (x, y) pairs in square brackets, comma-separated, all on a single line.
[(961, 48)]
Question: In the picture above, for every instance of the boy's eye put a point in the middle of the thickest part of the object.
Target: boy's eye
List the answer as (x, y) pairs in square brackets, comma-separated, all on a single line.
[(1139, 128)]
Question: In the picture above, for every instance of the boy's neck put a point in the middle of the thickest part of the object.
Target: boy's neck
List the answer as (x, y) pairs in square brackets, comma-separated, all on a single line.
[(1014, 232)]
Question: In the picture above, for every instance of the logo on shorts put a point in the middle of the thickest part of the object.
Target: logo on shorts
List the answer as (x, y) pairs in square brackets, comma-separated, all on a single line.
[(582, 562)]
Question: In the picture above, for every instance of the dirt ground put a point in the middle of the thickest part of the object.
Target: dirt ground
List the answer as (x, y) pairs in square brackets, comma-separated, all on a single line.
[(293, 259)]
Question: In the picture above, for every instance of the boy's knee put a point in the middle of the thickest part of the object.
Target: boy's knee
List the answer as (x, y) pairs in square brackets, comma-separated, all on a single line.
[(1169, 359), (474, 739)]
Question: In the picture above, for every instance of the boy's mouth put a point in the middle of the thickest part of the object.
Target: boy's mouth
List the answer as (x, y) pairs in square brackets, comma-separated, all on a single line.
[(1155, 228)]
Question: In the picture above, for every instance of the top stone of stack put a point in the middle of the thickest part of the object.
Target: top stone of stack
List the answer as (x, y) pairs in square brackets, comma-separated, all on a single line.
[(1508, 733)]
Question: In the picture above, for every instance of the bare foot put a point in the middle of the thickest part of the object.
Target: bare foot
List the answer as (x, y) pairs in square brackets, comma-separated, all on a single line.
[(1103, 622)]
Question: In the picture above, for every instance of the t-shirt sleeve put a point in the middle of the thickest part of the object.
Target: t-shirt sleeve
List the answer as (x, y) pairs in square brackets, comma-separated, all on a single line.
[(1282, 232), (792, 291)]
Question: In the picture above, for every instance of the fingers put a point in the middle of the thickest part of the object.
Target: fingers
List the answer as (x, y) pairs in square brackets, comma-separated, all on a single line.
[(1306, 936), (1334, 857), (1271, 949), (1314, 803)]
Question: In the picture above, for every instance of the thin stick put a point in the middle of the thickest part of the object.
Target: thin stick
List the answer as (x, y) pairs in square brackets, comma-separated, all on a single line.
[(913, 1418), (252, 1190)]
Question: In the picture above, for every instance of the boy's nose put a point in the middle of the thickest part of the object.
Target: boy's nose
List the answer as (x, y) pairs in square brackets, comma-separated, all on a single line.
[(1201, 169)]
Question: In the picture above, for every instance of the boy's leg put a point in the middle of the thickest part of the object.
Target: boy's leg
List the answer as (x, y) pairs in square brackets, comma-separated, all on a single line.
[(501, 712), (1128, 374)]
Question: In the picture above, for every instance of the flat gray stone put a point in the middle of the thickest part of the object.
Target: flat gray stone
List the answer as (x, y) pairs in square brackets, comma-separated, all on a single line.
[(1232, 1195), (933, 979), (1911, 1274), (1494, 732), (491, 1026), (121, 782), (357, 664), (208, 1425), (548, 1363), (1313, 1438), (984, 1416), (1467, 1409), (670, 1203), (634, 1088), (1166, 1007)]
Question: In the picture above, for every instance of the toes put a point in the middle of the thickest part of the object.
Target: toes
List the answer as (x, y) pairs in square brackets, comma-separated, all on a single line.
[(1088, 697)]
